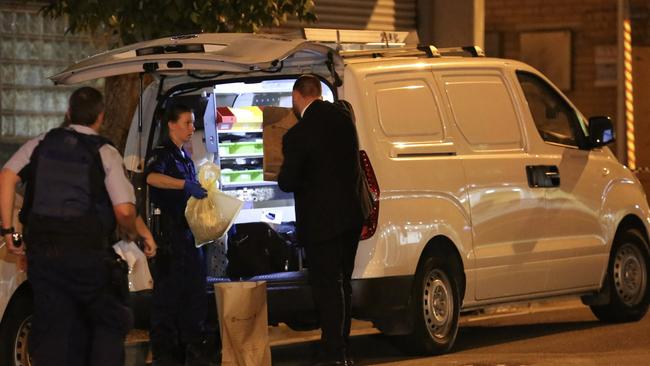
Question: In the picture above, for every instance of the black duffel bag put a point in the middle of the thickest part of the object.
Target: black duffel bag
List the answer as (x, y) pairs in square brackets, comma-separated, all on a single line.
[(255, 249)]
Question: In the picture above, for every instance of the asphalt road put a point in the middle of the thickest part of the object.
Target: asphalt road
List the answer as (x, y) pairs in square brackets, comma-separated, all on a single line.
[(564, 334)]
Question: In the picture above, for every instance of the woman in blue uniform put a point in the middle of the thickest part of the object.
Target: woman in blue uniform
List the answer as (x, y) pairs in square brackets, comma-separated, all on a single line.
[(179, 297)]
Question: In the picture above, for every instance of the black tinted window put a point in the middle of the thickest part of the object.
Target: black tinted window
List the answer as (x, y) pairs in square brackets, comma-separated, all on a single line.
[(554, 118)]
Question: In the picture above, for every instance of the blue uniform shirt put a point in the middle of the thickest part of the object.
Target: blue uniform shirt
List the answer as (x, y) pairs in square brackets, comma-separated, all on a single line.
[(169, 160)]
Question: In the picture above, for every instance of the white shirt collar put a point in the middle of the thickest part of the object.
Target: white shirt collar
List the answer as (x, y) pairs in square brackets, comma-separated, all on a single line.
[(304, 109), (83, 129)]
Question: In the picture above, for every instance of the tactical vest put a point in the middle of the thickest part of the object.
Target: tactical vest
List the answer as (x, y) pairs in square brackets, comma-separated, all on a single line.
[(65, 192)]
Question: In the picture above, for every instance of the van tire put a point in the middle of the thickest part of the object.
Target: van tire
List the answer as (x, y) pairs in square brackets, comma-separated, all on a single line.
[(626, 279), (435, 306), (15, 330)]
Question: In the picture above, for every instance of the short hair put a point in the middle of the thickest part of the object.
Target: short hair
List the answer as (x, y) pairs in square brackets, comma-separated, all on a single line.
[(175, 111), (85, 105), (308, 85)]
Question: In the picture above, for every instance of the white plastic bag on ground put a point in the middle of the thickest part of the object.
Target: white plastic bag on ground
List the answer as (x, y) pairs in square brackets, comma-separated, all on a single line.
[(139, 275), (211, 217)]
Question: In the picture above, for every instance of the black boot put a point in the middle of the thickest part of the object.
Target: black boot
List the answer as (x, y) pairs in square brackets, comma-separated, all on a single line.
[(201, 354), (165, 362), (332, 359), (166, 355)]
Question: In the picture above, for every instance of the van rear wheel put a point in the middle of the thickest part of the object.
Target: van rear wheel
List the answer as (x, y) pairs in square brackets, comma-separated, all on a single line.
[(14, 333), (436, 307), (627, 280)]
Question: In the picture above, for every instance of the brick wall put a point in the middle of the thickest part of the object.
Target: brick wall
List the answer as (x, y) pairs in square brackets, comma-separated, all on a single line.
[(640, 15), (591, 22)]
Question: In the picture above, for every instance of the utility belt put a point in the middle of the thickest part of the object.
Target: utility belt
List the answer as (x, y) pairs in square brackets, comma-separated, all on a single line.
[(58, 246), (168, 229), (54, 239), (78, 233), (67, 242), (165, 223)]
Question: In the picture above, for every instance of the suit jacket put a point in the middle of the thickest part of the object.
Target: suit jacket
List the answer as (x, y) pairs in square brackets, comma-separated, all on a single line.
[(321, 168)]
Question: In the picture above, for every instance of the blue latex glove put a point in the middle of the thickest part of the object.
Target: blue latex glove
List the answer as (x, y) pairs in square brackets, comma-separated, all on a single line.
[(194, 189)]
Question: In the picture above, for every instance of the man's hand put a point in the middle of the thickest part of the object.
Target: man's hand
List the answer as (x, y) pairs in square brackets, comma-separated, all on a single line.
[(195, 189), (149, 243), (8, 181), (9, 240), (150, 246), (125, 235)]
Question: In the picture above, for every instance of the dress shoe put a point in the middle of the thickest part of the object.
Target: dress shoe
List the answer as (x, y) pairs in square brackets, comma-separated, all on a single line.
[(333, 363), (200, 354), (166, 362), (341, 361)]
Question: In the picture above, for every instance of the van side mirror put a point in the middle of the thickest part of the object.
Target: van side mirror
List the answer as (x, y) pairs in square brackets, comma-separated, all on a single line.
[(601, 131)]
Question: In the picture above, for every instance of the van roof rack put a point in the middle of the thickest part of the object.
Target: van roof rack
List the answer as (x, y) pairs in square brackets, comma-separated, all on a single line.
[(382, 43), (428, 51), (391, 52), (386, 38), (474, 51)]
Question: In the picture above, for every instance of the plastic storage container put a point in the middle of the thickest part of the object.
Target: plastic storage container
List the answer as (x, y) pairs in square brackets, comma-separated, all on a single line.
[(242, 176), (241, 148)]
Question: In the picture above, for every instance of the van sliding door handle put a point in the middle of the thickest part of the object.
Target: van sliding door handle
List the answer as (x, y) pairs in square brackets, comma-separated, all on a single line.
[(543, 176), (422, 150), (552, 174)]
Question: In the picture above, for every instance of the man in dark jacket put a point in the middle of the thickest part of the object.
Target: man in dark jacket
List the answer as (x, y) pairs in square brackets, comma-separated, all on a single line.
[(321, 168)]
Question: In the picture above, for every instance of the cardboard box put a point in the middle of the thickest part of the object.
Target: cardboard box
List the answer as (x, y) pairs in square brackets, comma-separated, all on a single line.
[(277, 121)]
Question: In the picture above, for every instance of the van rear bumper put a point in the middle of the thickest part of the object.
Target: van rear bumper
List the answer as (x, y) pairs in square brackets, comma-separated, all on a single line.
[(385, 301), (288, 296)]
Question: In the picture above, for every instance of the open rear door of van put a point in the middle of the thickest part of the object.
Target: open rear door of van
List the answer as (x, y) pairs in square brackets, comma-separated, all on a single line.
[(208, 52)]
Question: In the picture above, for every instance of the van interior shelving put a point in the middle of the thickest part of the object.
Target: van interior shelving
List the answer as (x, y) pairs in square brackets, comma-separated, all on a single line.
[(229, 122)]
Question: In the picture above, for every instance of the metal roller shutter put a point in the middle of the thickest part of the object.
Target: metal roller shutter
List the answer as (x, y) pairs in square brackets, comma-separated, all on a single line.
[(363, 14)]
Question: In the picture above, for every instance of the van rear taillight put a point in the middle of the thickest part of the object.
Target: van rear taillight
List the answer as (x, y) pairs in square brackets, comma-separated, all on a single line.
[(370, 226)]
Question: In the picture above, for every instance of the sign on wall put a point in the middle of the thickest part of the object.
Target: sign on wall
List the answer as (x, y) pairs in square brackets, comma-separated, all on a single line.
[(550, 53), (606, 61)]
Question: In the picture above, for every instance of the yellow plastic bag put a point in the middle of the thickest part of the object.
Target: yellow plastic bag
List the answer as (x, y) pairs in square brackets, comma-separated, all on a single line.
[(209, 218)]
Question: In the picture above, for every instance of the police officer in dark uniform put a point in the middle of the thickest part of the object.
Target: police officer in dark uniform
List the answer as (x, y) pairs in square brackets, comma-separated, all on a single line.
[(179, 300), (76, 193)]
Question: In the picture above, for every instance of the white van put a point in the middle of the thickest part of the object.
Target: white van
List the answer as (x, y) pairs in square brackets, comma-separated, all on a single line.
[(490, 186)]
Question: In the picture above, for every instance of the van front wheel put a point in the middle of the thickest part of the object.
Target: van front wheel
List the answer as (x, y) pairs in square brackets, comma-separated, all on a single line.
[(14, 333), (627, 280), (436, 307)]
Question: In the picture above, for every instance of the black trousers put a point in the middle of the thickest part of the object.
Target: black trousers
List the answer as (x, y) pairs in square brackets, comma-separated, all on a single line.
[(78, 317), (179, 306), (331, 263)]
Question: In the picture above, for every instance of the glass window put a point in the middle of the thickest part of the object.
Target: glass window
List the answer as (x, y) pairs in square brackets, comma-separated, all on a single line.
[(484, 111), (32, 48), (555, 120)]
